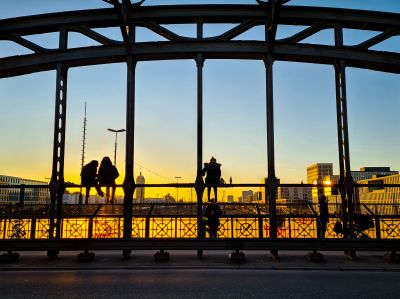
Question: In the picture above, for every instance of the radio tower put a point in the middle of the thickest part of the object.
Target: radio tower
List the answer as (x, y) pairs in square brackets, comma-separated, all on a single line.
[(83, 151)]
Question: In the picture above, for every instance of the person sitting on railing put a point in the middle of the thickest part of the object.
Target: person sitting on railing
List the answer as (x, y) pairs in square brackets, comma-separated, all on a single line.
[(323, 217), (107, 175), (213, 213), (89, 178), (213, 170)]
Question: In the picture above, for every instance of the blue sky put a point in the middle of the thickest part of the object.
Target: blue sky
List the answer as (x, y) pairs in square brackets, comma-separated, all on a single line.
[(234, 107)]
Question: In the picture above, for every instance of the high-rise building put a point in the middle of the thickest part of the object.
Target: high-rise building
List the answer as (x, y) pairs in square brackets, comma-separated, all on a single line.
[(230, 198), (316, 174), (140, 190), (31, 195)]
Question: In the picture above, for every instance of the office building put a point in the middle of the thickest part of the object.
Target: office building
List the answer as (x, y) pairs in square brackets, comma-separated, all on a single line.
[(379, 199), (247, 196), (258, 196), (318, 173), (294, 194), (31, 195), (366, 173)]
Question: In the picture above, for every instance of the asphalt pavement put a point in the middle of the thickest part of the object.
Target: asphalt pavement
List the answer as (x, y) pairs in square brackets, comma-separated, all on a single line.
[(185, 275), (198, 283), (213, 259)]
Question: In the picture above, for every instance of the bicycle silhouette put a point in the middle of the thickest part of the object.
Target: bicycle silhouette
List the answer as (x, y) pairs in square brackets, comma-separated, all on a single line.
[(18, 231)]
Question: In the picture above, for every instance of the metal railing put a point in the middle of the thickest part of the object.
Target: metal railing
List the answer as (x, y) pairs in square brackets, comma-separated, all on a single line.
[(179, 220)]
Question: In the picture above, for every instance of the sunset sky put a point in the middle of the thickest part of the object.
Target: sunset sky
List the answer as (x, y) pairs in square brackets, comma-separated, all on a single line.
[(234, 107)]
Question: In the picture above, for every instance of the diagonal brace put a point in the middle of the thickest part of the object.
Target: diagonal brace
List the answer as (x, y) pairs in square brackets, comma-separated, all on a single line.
[(156, 28), (25, 43), (237, 30), (378, 38), (298, 37), (94, 35)]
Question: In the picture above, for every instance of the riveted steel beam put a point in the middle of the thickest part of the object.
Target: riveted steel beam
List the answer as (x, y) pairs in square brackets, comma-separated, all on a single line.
[(57, 186), (374, 60), (180, 14)]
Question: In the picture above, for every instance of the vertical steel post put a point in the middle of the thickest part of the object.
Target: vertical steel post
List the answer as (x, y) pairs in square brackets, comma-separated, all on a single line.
[(57, 186), (22, 195), (129, 183), (339, 116), (199, 184), (346, 183), (271, 184), (272, 181)]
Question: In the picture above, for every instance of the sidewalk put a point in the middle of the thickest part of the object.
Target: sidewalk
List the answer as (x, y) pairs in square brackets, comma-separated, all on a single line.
[(256, 260)]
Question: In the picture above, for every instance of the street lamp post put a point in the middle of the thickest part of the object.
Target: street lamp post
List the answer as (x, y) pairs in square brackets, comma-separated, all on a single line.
[(177, 189), (115, 147)]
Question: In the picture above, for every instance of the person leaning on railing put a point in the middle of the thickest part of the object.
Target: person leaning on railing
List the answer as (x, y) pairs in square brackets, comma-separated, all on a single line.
[(213, 170), (106, 177), (89, 178)]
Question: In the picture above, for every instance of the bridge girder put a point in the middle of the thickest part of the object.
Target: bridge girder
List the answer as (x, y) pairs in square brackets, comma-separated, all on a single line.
[(374, 60), (182, 14), (218, 47)]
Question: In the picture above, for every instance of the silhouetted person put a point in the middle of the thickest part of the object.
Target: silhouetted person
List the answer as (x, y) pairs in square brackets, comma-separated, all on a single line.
[(323, 215), (89, 178), (213, 213), (230, 180), (213, 170), (107, 175)]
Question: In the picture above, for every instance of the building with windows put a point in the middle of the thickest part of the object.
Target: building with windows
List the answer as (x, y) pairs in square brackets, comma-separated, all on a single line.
[(258, 196), (294, 194), (319, 173), (378, 198), (366, 173), (30, 195), (247, 196)]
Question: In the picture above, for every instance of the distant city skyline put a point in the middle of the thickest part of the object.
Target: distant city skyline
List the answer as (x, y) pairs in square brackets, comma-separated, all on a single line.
[(234, 109), (318, 173)]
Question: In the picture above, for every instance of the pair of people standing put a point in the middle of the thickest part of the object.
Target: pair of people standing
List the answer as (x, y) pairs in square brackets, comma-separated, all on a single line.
[(213, 211), (213, 178), (105, 177)]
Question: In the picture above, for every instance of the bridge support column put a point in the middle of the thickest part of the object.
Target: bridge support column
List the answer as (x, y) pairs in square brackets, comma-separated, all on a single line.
[(57, 186), (346, 183), (199, 183), (129, 182), (271, 184)]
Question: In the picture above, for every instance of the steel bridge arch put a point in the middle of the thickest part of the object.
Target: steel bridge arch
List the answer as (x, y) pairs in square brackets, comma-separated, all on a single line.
[(127, 17), (218, 47)]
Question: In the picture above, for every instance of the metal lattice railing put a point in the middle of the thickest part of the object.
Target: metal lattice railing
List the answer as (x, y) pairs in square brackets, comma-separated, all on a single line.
[(292, 226)]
